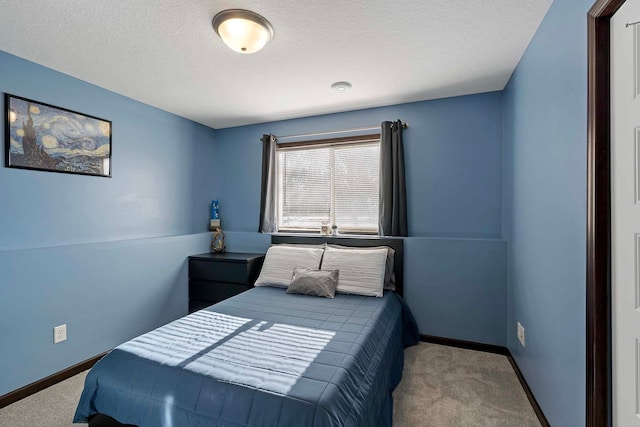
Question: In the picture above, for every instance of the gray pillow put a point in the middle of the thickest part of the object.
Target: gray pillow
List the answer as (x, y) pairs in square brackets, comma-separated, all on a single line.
[(320, 283)]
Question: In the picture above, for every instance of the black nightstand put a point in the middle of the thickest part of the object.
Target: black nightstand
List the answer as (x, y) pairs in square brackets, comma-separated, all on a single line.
[(216, 277)]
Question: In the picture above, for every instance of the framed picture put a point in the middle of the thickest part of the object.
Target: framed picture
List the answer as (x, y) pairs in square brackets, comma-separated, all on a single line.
[(43, 137)]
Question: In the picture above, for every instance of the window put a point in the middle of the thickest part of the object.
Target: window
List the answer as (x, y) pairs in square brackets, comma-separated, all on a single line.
[(332, 182)]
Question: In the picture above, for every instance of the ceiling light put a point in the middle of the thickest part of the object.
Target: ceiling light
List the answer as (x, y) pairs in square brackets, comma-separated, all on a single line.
[(242, 30), (341, 87)]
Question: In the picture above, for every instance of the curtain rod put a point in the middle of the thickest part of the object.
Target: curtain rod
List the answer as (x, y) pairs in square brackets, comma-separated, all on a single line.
[(404, 126)]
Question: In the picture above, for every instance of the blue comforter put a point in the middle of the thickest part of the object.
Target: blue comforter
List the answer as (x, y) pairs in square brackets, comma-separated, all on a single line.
[(261, 358)]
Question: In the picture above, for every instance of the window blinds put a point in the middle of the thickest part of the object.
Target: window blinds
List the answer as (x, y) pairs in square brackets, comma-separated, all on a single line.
[(356, 193), (336, 184), (305, 188)]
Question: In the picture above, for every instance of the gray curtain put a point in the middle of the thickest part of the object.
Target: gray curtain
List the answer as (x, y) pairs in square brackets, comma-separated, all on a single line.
[(393, 190), (267, 200)]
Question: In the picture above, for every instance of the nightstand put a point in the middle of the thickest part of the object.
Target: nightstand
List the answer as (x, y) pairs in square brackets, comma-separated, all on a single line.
[(216, 277)]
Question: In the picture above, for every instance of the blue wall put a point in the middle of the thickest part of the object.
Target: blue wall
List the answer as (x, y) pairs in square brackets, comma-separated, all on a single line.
[(545, 110), (105, 256), (455, 259), (453, 156)]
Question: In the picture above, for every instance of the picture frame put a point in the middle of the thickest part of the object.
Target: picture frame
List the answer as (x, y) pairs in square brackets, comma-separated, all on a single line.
[(40, 136)]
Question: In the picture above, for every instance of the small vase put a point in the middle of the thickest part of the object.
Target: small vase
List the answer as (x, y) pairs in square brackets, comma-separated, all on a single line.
[(217, 241)]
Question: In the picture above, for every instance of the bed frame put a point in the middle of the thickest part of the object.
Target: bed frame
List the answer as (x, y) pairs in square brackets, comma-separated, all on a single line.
[(396, 243), (101, 420)]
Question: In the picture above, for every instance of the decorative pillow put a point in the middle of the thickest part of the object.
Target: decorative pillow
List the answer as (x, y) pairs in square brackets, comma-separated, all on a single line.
[(320, 283), (361, 270), (389, 272), (280, 261)]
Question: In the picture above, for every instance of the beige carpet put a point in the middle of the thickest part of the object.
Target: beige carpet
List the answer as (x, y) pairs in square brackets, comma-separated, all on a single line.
[(447, 386), (441, 386), (51, 407)]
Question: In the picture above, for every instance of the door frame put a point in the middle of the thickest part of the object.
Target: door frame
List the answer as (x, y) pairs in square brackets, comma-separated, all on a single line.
[(598, 309)]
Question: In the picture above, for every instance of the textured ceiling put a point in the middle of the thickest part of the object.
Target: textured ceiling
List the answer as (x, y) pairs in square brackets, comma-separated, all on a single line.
[(165, 53)]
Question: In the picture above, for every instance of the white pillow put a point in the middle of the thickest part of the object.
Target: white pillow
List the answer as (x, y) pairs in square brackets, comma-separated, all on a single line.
[(361, 270), (389, 273), (277, 269)]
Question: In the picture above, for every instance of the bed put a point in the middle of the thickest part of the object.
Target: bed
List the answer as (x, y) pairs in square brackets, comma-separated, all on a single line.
[(261, 358)]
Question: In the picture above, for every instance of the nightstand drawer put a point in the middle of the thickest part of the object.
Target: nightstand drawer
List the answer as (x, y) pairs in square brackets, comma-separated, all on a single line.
[(218, 271), (214, 291), (216, 277)]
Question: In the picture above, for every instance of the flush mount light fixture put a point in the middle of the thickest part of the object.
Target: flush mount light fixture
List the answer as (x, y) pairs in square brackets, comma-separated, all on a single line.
[(341, 87), (242, 30)]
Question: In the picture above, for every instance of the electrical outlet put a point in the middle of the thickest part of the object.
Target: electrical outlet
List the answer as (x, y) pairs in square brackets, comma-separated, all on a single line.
[(521, 333), (59, 334)]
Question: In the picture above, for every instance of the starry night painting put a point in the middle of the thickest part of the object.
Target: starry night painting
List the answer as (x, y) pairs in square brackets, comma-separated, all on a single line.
[(43, 137)]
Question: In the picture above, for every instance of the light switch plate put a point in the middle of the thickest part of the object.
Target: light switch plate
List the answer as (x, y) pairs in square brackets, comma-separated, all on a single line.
[(521, 333)]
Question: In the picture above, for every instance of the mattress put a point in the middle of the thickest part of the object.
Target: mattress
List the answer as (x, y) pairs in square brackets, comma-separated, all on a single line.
[(261, 358)]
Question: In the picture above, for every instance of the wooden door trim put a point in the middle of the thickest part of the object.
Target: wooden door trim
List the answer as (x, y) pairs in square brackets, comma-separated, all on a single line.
[(598, 309)]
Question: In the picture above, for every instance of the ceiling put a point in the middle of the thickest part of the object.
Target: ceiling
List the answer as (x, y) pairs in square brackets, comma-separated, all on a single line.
[(164, 52)]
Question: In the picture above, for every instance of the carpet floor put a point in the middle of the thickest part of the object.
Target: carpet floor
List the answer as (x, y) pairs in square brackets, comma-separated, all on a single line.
[(447, 386), (441, 387)]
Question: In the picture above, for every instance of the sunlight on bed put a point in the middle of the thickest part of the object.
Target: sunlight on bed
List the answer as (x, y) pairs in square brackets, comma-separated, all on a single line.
[(258, 354), (168, 412), (175, 342)]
